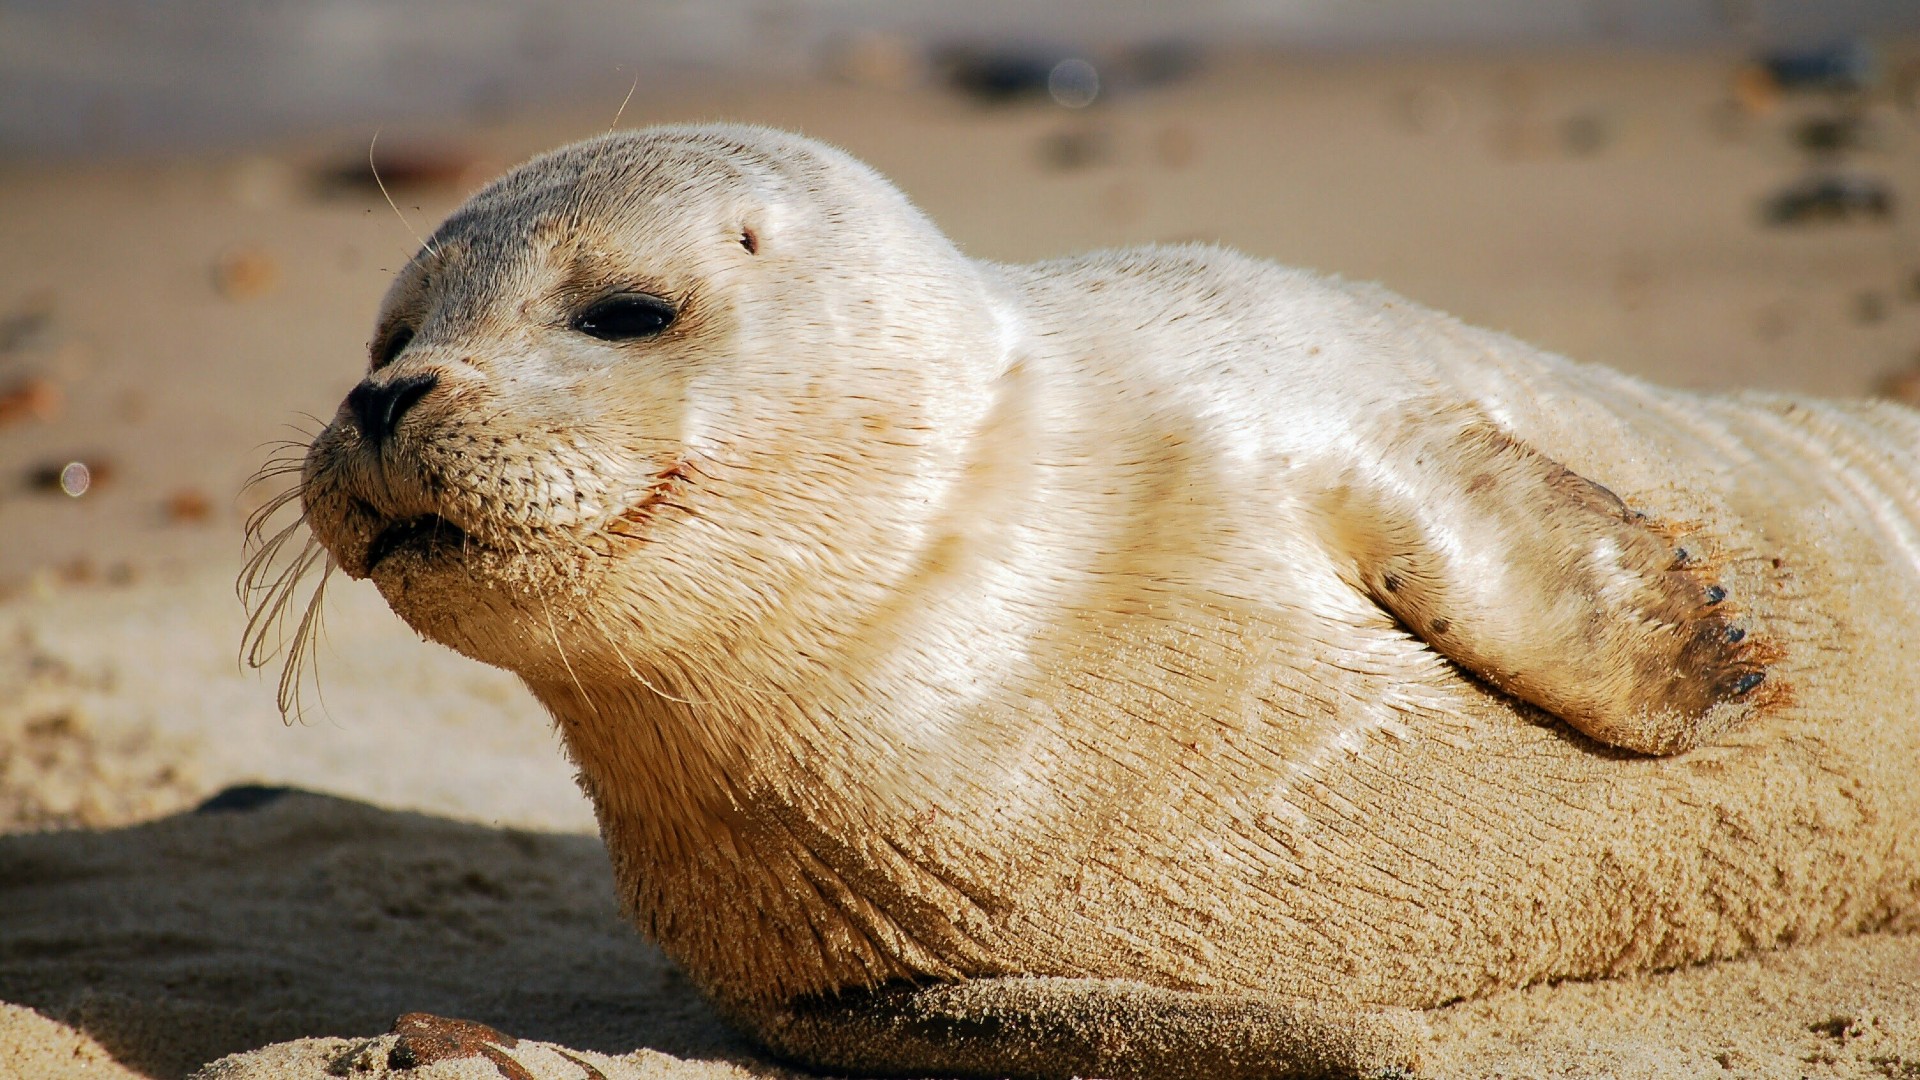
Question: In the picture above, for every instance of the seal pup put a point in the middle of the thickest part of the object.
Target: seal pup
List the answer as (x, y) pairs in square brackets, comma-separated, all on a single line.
[(1158, 662)]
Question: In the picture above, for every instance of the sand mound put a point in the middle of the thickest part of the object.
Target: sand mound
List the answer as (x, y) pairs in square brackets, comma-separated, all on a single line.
[(273, 915), (270, 915)]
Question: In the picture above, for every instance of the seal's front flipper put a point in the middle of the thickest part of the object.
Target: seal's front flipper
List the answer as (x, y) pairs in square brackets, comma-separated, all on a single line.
[(1543, 584), (1052, 1027)]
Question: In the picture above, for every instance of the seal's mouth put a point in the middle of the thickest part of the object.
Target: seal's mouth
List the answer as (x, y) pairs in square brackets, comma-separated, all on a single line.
[(425, 535)]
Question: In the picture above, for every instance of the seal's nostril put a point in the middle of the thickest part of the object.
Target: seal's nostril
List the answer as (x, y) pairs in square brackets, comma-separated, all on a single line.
[(378, 406)]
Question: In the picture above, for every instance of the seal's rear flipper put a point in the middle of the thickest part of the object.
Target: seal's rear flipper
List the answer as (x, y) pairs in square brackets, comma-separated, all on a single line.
[(1053, 1027), (1543, 584)]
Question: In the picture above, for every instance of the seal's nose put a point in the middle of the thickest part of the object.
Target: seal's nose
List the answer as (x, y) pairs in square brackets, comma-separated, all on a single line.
[(378, 406)]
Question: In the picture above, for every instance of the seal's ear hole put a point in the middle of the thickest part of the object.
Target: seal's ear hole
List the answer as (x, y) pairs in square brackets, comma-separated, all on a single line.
[(749, 239), (390, 347)]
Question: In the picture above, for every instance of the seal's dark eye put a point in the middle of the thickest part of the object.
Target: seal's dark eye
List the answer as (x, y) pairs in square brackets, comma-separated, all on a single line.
[(394, 344), (625, 317)]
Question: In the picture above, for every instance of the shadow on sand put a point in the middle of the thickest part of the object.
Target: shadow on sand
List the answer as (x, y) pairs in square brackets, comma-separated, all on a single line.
[(270, 914)]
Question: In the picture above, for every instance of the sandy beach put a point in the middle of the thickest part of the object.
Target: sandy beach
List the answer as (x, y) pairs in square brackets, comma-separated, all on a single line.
[(414, 840)]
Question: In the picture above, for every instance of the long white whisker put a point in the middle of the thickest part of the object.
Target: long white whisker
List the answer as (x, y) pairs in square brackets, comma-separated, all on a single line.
[(431, 250), (553, 631), (635, 672), (622, 110)]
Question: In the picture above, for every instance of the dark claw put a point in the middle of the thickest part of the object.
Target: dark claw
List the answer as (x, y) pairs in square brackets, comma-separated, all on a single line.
[(1680, 557), (1735, 635), (1748, 681), (1715, 594)]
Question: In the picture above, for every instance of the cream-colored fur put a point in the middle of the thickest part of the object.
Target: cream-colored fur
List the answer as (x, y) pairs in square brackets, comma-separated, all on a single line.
[(1167, 662)]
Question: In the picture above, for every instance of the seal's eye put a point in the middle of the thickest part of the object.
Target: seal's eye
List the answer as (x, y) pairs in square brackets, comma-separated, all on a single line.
[(394, 344), (625, 317)]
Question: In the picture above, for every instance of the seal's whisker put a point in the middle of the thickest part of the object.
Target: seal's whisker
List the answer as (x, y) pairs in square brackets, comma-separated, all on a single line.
[(270, 580), (371, 164), (266, 572), (278, 465), (259, 567), (274, 470), (611, 641), (273, 504), (553, 631), (263, 638), (606, 139), (280, 452), (756, 690), (304, 654), (622, 110), (287, 446)]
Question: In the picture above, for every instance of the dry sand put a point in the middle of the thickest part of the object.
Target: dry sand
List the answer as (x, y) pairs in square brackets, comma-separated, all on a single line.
[(162, 321)]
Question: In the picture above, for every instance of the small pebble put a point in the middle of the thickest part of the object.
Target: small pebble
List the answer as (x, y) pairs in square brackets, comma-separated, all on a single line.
[(1755, 91), (32, 398), (189, 506), (73, 478), (245, 274), (1175, 147), (29, 329), (1904, 385), (1075, 148), (1586, 134)]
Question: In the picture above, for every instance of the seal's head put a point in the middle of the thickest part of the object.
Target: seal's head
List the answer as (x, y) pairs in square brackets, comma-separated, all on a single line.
[(672, 375)]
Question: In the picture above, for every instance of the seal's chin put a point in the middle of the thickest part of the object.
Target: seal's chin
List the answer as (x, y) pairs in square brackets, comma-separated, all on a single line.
[(428, 536)]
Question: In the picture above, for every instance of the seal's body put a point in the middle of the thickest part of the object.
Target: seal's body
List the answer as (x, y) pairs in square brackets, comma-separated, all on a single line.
[(1153, 661)]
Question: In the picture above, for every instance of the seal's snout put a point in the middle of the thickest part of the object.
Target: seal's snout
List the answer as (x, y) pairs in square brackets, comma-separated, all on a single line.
[(377, 406)]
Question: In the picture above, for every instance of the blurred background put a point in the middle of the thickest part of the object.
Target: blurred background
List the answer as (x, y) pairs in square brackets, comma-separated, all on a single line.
[(192, 244)]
